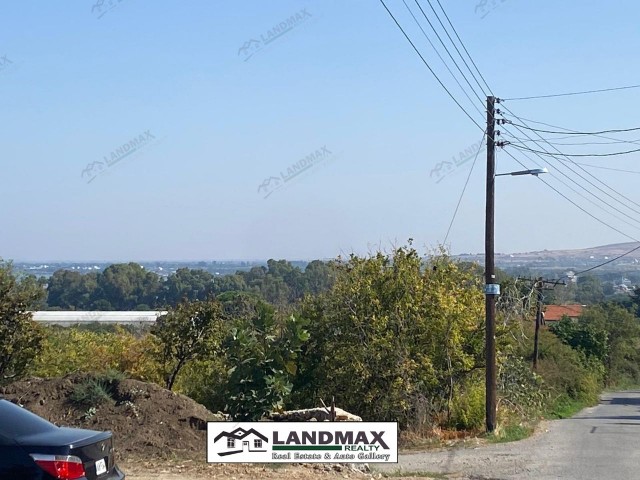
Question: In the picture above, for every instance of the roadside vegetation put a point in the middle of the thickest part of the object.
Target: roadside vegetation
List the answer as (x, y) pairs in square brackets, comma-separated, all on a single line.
[(391, 336)]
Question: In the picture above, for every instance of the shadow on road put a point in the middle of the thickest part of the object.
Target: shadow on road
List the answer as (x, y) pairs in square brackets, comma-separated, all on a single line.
[(624, 401), (612, 417)]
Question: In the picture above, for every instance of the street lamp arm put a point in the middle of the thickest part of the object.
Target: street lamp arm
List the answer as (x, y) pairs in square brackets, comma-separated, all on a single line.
[(535, 171)]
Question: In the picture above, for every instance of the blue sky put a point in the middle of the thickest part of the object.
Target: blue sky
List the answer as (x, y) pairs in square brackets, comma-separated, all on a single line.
[(78, 87)]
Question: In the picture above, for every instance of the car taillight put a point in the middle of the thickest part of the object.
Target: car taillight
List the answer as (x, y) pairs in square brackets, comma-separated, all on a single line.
[(62, 467)]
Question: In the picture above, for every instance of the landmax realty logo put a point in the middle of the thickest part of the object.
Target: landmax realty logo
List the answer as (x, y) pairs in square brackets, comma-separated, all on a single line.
[(273, 183), (445, 168), (485, 7), (93, 169), (253, 46), (102, 7), (293, 442)]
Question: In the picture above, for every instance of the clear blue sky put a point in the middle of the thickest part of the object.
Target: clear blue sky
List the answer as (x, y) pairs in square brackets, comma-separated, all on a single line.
[(79, 86)]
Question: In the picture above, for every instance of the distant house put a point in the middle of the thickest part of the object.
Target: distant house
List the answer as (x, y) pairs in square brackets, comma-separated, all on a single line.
[(555, 313), (241, 440)]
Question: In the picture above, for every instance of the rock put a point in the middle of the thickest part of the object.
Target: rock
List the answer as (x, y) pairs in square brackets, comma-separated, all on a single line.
[(313, 414)]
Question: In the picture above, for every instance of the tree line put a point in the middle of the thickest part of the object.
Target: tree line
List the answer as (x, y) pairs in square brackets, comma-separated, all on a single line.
[(128, 286), (393, 336)]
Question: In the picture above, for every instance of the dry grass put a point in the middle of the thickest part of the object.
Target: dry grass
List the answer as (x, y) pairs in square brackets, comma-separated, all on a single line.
[(438, 438)]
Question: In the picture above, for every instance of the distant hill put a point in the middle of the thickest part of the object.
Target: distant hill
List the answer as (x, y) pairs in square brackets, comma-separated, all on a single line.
[(602, 251), (575, 259)]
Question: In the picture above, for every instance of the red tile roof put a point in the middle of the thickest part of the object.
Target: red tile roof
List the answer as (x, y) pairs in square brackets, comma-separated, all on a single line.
[(554, 313)]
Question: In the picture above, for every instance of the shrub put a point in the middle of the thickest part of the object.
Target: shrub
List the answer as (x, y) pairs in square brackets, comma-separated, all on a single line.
[(468, 406), (72, 349), (97, 389)]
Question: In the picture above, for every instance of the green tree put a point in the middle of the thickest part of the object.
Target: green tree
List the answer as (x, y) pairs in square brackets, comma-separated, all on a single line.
[(262, 352), (20, 337), (187, 284), (229, 283), (190, 331), (610, 334), (319, 277), (589, 290), (126, 285), (70, 290), (393, 339)]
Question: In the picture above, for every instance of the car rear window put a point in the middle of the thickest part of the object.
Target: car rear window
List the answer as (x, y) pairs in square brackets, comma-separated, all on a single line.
[(16, 421)]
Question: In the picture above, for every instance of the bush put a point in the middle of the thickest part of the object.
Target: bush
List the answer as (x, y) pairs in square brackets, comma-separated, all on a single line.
[(567, 372), (468, 406), (73, 349), (97, 389), (391, 334), (20, 337), (90, 393)]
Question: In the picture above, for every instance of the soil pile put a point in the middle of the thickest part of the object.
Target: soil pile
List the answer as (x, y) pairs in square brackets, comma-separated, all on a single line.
[(147, 420)]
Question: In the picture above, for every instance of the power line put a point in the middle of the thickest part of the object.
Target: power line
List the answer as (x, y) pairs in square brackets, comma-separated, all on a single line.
[(454, 44), (587, 172), (607, 168), (464, 189), (611, 154), (572, 180), (442, 59), (575, 133), (575, 93), (463, 46), (571, 132), (551, 141), (429, 67), (566, 185), (575, 204), (608, 261), (448, 52)]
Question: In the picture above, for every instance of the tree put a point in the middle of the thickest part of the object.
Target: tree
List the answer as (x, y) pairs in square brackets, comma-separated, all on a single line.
[(126, 285), (393, 339), (610, 334), (70, 290), (262, 351), (589, 290), (187, 284), (20, 337), (190, 331), (319, 277), (229, 283)]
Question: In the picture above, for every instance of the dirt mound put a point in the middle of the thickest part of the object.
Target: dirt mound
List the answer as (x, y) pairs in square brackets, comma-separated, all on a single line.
[(147, 420)]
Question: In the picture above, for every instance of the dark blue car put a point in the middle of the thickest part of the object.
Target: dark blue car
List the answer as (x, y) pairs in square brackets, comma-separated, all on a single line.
[(32, 448)]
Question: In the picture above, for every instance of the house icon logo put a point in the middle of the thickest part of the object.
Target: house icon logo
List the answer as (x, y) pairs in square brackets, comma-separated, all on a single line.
[(241, 441)]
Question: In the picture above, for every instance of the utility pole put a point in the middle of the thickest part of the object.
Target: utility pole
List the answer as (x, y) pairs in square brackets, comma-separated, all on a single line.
[(539, 284), (538, 287), (491, 288)]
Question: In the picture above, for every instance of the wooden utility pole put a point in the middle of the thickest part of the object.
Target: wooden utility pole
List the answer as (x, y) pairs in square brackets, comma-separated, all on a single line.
[(538, 288), (491, 288), (539, 284)]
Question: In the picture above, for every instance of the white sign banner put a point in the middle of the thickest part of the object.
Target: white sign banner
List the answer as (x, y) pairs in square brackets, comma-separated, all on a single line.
[(302, 442)]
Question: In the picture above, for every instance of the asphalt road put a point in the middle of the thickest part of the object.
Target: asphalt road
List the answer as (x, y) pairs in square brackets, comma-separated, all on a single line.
[(601, 442)]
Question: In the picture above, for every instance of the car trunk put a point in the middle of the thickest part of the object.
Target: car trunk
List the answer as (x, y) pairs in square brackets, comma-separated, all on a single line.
[(94, 450), (92, 447)]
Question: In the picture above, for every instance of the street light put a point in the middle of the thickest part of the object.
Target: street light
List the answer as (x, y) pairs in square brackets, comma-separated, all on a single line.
[(535, 171), (492, 289)]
